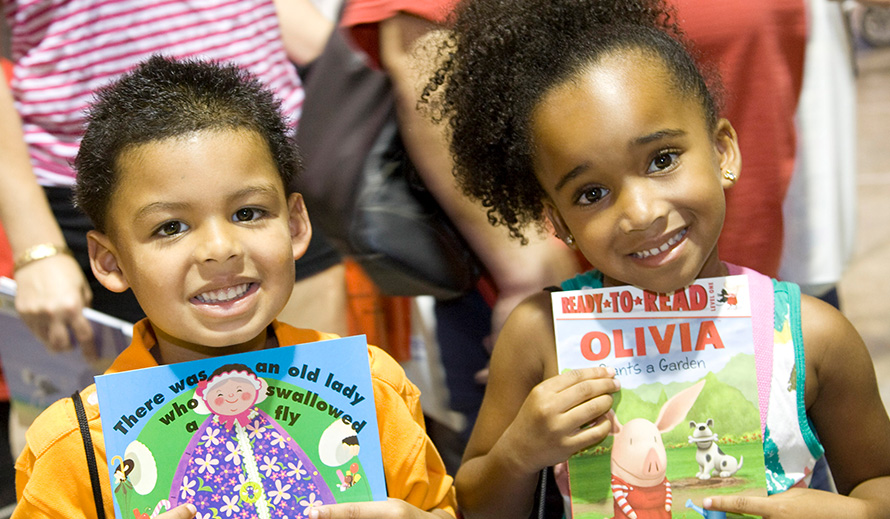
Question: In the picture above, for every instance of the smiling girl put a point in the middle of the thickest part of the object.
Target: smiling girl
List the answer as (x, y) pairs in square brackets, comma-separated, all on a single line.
[(594, 116)]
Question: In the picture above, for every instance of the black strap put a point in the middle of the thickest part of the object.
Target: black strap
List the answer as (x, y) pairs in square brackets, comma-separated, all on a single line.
[(91, 454)]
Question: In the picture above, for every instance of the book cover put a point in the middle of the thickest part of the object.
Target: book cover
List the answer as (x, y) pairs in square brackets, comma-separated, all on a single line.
[(37, 377), (268, 434), (686, 422)]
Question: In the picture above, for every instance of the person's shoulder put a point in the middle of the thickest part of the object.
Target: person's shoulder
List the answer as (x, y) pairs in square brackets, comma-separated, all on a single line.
[(531, 319), (525, 350), (57, 425)]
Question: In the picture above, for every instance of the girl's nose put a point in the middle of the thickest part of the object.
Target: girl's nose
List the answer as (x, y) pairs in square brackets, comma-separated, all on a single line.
[(639, 207)]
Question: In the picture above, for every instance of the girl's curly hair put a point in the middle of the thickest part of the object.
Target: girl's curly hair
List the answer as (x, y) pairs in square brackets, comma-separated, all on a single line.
[(503, 56)]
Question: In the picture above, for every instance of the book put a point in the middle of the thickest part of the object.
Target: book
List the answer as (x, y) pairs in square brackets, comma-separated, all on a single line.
[(37, 377), (270, 433), (686, 421)]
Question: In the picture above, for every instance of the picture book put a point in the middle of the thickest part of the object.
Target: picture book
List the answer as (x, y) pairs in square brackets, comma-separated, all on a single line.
[(271, 433), (37, 377), (686, 421)]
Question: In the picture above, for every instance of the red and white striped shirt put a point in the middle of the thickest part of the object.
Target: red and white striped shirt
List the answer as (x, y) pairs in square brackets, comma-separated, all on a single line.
[(64, 49)]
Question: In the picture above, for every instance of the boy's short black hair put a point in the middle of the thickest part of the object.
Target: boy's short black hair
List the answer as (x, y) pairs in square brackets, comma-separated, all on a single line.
[(504, 56), (163, 98)]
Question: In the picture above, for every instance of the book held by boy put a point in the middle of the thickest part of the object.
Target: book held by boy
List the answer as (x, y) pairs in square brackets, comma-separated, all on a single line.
[(271, 433), (686, 422)]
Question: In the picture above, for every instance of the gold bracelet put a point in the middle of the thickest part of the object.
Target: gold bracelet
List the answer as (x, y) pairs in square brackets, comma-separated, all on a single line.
[(39, 252)]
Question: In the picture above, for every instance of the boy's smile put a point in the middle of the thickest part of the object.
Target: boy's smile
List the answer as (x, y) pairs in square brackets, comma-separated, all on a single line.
[(633, 173), (203, 234)]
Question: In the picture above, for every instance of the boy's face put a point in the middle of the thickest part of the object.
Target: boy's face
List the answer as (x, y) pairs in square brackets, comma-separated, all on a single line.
[(202, 232), (633, 173)]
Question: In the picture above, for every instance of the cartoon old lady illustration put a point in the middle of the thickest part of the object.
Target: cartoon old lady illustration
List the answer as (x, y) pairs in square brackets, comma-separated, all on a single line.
[(240, 461)]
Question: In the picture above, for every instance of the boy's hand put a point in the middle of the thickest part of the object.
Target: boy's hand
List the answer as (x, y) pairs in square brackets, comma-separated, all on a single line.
[(561, 416), (794, 503), (186, 511), (389, 509)]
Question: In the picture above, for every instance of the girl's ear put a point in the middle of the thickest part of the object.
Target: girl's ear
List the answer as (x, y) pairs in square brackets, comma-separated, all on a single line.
[(559, 225), (104, 262), (726, 144), (298, 221)]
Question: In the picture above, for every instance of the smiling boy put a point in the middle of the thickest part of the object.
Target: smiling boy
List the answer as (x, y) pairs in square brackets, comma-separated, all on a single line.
[(183, 170)]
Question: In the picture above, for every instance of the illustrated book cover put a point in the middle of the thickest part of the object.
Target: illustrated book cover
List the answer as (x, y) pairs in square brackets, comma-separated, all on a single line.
[(686, 423), (37, 377), (267, 434)]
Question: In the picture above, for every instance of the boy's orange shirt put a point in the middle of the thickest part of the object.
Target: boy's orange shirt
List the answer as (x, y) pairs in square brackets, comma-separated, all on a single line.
[(52, 478)]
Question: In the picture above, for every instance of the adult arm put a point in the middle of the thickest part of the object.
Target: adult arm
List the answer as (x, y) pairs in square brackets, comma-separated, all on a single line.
[(304, 29), (52, 292), (407, 46)]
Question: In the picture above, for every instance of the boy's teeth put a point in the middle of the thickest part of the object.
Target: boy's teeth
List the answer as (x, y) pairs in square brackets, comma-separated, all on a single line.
[(656, 250), (223, 295)]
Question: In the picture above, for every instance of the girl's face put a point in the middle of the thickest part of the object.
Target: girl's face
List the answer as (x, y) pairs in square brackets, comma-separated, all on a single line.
[(231, 397), (632, 172)]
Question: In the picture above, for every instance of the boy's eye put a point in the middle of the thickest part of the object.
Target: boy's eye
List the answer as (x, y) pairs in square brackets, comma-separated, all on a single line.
[(246, 214), (171, 228), (592, 195), (662, 162)]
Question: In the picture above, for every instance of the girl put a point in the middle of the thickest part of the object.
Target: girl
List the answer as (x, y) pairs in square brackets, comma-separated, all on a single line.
[(593, 113)]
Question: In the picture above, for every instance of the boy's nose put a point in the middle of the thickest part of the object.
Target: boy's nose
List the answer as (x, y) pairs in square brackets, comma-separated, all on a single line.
[(218, 243)]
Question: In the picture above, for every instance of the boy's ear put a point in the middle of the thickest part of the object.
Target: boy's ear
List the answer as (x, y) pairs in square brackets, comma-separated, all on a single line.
[(726, 143), (104, 261), (559, 225), (298, 221)]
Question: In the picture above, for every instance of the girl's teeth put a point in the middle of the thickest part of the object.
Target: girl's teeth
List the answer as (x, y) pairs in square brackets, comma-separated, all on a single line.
[(657, 250), (223, 295)]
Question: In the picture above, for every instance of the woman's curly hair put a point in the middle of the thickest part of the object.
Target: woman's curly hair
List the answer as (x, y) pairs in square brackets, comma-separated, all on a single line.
[(503, 56)]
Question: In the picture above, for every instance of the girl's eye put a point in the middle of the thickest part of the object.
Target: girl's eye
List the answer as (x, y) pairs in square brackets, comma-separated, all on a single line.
[(171, 228), (662, 162), (592, 195), (247, 214)]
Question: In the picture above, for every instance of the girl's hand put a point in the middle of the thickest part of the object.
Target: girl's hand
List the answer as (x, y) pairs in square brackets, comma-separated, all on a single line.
[(795, 503), (561, 416), (391, 508)]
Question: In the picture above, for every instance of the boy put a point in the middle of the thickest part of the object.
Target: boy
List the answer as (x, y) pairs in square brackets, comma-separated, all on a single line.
[(183, 171)]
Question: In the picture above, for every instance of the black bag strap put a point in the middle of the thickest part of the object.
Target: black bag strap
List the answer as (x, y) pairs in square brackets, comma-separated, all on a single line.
[(91, 454)]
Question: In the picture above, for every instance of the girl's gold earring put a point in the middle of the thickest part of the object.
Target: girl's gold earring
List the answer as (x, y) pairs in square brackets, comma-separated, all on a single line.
[(730, 175), (570, 240)]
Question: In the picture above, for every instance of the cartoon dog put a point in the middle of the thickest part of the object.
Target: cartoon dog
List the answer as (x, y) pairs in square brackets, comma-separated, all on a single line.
[(709, 456)]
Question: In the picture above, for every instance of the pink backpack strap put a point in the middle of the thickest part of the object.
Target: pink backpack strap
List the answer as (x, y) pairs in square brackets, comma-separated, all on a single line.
[(763, 328)]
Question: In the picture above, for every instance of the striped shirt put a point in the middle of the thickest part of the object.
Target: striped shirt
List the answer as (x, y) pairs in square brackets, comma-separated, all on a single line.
[(63, 50)]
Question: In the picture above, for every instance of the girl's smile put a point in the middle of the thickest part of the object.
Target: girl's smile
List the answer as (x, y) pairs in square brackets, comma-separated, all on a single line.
[(633, 173)]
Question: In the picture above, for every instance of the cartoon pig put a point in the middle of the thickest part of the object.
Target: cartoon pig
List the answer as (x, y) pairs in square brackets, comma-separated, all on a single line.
[(639, 486)]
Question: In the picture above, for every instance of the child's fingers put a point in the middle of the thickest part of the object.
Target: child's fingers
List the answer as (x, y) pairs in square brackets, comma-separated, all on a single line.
[(573, 377), (186, 511), (759, 506), (585, 390), (391, 508), (591, 434), (588, 412)]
